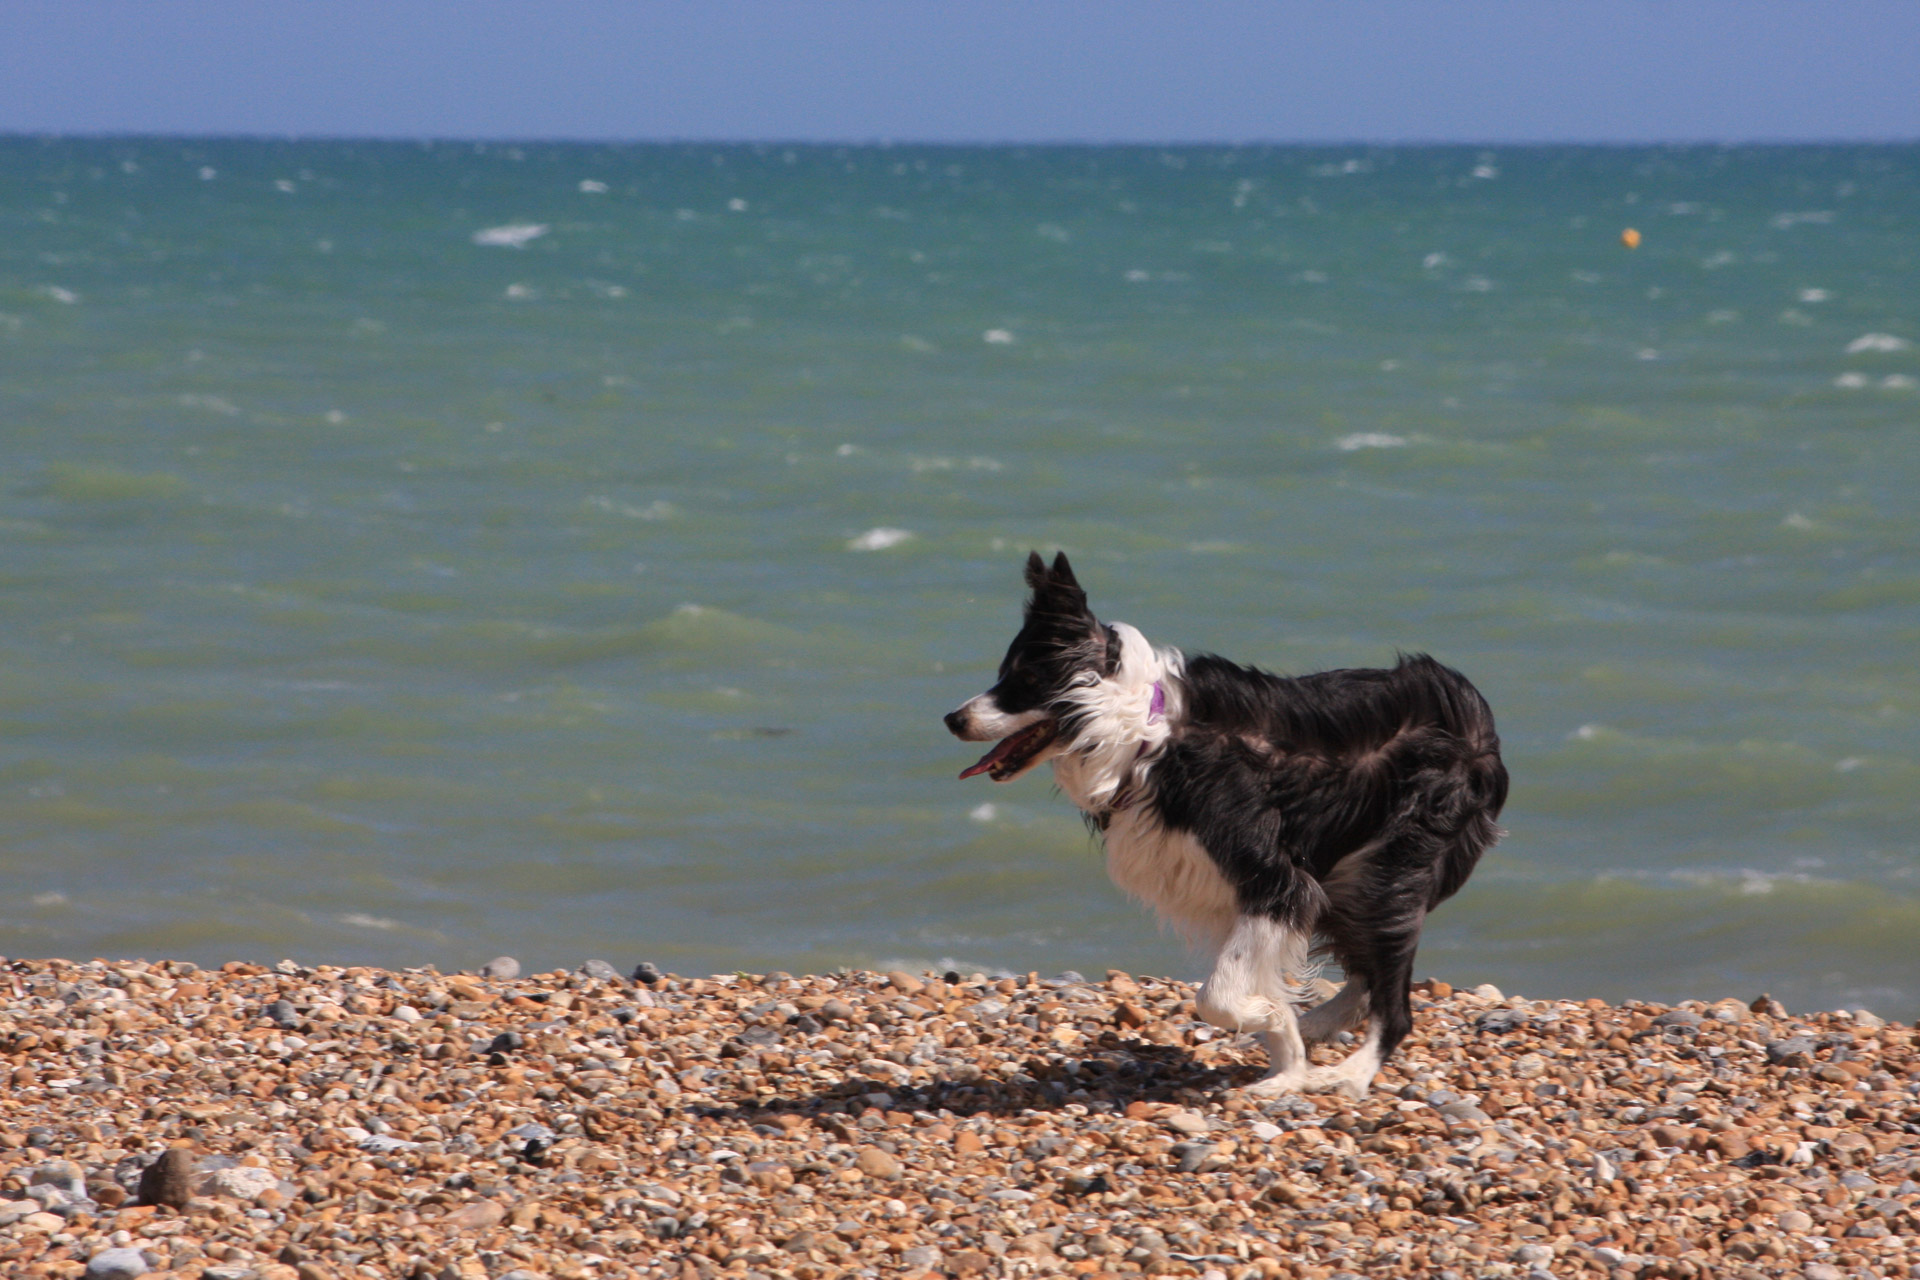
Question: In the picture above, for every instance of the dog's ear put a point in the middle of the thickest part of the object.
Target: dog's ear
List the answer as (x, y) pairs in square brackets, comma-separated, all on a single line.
[(1036, 571), (1055, 591)]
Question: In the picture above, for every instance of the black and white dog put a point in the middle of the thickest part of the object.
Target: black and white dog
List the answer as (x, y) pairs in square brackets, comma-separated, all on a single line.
[(1268, 819)]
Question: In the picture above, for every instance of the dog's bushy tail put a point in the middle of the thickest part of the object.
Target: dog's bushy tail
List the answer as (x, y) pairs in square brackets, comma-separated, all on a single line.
[(1476, 787)]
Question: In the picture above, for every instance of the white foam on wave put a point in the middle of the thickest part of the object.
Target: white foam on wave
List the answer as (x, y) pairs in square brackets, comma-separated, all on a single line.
[(918, 465), (1814, 295), (588, 187), (998, 337), (1787, 221), (1877, 342), (1852, 380), (361, 920), (1744, 881), (65, 297), (879, 539), (512, 235), (1369, 440), (658, 509)]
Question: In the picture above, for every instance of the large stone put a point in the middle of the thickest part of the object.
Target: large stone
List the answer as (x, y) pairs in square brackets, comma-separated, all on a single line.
[(876, 1163), (116, 1264), (477, 1215), (169, 1180), (1191, 1123), (240, 1182)]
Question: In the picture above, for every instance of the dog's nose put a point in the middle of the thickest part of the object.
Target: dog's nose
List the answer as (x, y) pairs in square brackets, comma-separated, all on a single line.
[(957, 723)]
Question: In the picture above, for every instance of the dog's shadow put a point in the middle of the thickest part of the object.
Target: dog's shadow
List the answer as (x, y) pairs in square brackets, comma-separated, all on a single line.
[(1107, 1080)]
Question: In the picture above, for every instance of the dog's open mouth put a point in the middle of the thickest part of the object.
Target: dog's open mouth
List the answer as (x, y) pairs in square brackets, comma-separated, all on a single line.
[(1012, 754)]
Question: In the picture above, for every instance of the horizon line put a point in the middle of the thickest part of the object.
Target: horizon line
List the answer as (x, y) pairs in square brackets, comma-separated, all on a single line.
[(887, 143)]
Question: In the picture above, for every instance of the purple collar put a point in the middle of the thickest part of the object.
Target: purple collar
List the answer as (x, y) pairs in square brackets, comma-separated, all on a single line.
[(1124, 796)]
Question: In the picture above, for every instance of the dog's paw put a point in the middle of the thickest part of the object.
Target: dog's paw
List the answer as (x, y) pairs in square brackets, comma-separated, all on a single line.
[(1277, 1085), (1251, 1013), (1337, 1079)]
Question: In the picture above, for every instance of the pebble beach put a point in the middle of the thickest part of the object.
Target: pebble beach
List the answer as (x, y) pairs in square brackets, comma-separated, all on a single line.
[(321, 1123)]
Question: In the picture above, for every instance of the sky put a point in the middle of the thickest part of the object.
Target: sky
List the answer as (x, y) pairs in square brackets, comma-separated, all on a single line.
[(968, 70)]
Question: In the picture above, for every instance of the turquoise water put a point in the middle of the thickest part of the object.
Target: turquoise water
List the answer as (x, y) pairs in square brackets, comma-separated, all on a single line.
[(373, 593)]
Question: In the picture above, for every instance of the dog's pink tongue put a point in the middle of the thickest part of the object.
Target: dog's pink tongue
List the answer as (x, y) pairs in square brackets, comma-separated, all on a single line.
[(993, 757)]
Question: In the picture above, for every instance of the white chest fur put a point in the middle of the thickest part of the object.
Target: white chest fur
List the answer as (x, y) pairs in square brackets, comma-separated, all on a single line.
[(1171, 873), (1126, 723)]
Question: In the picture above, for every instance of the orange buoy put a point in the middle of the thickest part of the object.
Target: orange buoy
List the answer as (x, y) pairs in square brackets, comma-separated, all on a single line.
[(1630, 238)]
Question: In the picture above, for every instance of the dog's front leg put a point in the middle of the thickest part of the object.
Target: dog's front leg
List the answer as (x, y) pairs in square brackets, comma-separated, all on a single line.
[(1247, 991)]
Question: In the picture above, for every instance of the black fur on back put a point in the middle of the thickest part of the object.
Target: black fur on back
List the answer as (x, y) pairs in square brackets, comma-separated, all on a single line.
[(1396, 772)]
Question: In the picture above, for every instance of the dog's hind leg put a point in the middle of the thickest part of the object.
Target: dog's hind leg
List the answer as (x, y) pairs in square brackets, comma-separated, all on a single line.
[(1386, 982), (1247, 991), (1347, 1010)]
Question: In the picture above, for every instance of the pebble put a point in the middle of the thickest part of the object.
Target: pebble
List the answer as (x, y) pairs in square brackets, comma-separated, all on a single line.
[(476, 1216), (117, 1264), (557, 1126), (501, 968), (168, 1181)]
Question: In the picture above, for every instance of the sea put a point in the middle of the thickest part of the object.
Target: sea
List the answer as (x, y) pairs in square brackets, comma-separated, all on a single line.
[(418, 552)]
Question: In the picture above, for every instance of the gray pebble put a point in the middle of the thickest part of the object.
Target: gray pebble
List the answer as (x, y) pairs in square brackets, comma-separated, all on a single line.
[(644, 972), (506, 1042), (1782, 1052), (116, 1264), (503, 968), (1678, 1018), (55, 1198), (1192, 1154), (1465, 1112), (63, 1174), (283, 1014), (600, 970)]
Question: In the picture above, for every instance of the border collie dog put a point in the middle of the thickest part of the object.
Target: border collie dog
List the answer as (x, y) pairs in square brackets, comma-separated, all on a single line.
[(1268, 819)]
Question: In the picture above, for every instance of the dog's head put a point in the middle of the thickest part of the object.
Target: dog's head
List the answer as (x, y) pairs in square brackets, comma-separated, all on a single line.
[(1061, 647)]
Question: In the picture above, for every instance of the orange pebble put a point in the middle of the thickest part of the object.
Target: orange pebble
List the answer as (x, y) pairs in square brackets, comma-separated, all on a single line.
[(1630, 238)]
